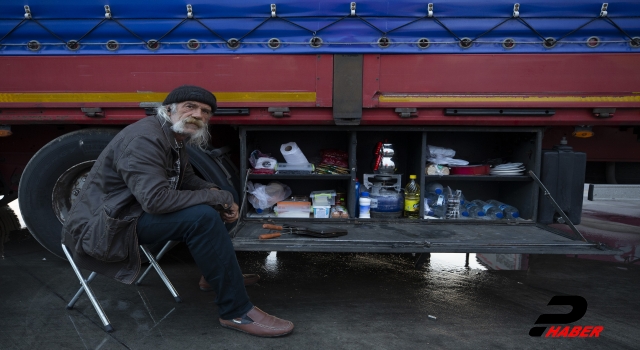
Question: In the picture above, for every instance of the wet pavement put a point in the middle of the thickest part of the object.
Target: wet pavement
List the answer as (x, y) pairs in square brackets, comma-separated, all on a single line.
[(346, 301)]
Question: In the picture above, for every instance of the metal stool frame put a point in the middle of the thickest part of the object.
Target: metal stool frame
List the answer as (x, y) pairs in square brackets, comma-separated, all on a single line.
[(94, 301)]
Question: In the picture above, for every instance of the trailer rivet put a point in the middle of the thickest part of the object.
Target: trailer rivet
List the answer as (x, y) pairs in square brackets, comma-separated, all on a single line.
[(465, 43), (233, 43), (112, 45), (73, 45), (153, 44), (193, 44), (549, 43), (33, 45), (509, 43), (384, 42), (315, 42), (274, 43)]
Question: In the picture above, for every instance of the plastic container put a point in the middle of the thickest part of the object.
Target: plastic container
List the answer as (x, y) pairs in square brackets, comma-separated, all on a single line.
[(293, 209), (322, 211), (386, 201), (412, 199), (357, 197), (365, 205), (509, 211), (434, 187), (435, 205), (322, 198)]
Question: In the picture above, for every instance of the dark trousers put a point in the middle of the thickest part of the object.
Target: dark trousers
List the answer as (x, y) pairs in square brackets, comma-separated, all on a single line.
[(202, 229)]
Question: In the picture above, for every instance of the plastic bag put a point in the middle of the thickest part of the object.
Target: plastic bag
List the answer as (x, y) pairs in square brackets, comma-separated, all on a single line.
[(443, 156), (259, 160), (263, 197)]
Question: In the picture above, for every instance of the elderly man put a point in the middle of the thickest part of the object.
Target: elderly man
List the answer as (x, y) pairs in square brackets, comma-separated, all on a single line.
[(142, 190)]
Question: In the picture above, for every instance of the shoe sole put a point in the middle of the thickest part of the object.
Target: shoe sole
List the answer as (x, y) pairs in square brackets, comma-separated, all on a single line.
[(255, 335)]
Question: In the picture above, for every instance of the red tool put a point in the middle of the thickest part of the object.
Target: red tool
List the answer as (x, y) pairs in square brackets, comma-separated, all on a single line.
[(320, 232)]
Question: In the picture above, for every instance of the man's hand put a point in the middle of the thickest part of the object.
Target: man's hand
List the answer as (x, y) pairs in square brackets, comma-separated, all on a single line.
[(230, 215)]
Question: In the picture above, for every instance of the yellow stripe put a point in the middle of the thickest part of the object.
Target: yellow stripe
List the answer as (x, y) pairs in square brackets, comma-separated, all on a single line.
[(538, 99), (71, 97)]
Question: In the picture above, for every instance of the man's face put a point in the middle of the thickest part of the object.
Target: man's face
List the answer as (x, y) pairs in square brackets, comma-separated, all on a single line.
[(191, 117)]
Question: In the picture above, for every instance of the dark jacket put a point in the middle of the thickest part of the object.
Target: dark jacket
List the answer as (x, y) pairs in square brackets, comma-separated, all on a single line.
[(131, 176)]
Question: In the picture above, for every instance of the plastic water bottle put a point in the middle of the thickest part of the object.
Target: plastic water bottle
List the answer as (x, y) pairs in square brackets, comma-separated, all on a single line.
[(473, 210), (435, 205), (434, 187), (491, 211), (463, 210), (412, 199), (510, 212), (357, 187), (365, 205)]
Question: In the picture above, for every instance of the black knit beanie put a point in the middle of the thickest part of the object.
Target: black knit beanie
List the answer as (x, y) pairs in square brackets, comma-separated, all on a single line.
[(191, 93)]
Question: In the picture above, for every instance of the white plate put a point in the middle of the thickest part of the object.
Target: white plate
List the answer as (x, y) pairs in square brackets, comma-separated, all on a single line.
[(509, 166), (506, 172), (508, 169)]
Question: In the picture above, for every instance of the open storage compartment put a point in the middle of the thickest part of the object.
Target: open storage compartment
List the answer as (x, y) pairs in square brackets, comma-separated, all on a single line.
[(396, 233)]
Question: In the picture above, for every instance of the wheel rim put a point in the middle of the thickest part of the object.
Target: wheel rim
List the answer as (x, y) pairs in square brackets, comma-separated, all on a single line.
[(67, 188)]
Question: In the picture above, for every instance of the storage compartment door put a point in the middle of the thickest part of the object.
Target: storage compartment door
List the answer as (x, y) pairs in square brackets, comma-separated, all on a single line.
[(392, 237)]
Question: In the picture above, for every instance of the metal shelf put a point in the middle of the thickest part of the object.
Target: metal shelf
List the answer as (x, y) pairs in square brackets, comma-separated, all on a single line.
[(302, 177), (477, 178)]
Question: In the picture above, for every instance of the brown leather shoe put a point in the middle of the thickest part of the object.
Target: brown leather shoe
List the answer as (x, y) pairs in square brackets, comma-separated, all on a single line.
[(249, 279), (259, 323)]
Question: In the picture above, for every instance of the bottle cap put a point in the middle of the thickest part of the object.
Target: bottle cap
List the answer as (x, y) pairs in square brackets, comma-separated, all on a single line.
[(364, 194), (412, 177)]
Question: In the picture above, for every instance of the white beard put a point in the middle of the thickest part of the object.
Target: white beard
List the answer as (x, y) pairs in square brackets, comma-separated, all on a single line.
[(199, 139)]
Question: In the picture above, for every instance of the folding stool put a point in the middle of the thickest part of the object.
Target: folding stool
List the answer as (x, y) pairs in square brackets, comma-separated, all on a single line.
[(96, 305)]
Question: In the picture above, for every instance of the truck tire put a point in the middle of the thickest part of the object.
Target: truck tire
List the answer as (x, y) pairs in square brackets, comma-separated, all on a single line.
[(52, 179), (209, 170), (205, 167)]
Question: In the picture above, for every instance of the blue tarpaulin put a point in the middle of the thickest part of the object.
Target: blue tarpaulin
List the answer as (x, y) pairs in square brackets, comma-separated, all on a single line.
[(76, 27)]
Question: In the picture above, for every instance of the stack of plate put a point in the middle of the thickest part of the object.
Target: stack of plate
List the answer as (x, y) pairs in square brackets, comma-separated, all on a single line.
[(507, 169)]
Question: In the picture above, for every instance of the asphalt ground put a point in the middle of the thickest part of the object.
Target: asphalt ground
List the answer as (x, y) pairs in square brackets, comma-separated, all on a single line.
[(336, 301)]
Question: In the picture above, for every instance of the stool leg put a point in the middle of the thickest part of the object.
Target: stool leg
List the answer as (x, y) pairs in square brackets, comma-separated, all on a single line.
[(85, 285), (169, 245), (164, 278), (80, 291)]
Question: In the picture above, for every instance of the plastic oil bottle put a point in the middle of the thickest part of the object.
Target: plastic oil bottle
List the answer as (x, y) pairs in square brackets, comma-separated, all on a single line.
[(412, 199)]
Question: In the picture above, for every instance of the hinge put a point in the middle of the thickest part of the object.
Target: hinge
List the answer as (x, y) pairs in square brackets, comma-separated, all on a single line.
[(407, 112), (150, 108), (93, 112), (279, 112), (603, 112)]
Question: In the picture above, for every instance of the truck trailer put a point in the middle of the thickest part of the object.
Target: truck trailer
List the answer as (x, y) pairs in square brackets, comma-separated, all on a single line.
[(551, 86)]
